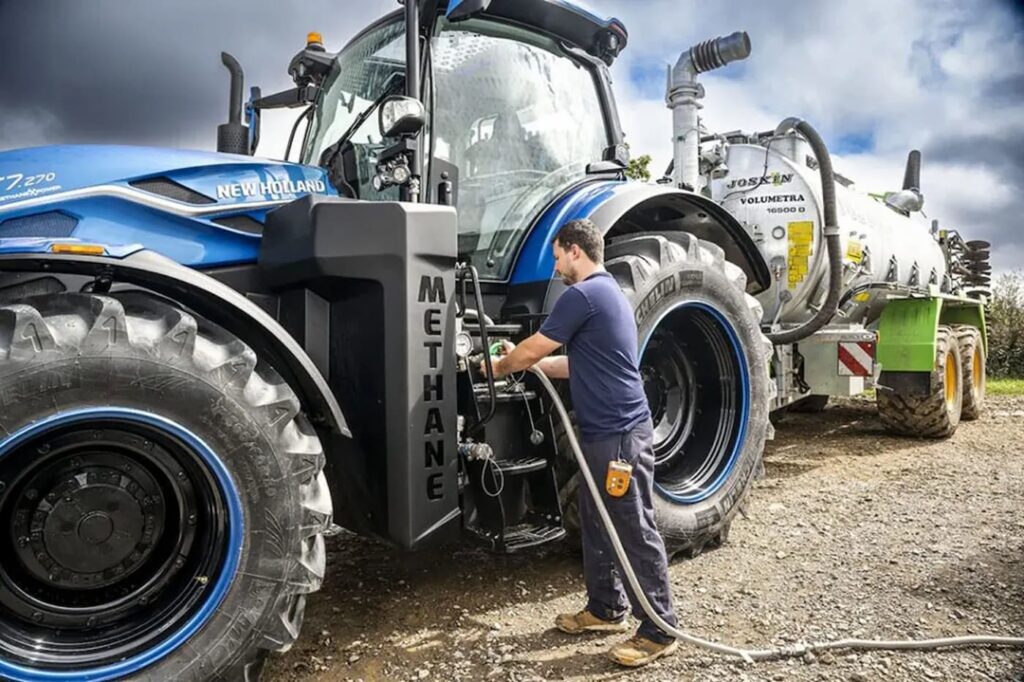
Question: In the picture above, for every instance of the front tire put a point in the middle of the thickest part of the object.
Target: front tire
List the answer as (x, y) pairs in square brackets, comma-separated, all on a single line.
[(168, 495), (704, 363)]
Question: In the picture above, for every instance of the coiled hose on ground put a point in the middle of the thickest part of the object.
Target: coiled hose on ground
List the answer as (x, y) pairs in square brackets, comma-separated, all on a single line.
[(749, 655)]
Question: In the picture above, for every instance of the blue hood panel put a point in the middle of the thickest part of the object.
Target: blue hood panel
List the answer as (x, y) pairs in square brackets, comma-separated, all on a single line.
[(206, 209)]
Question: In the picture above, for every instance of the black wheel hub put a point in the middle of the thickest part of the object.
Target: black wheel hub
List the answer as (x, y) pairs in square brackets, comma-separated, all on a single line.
[(671, 394), (113, 532), (89, 524), (693, 371)]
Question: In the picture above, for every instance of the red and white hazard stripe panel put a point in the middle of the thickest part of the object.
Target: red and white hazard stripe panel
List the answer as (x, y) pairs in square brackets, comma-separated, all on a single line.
[(856, 358)]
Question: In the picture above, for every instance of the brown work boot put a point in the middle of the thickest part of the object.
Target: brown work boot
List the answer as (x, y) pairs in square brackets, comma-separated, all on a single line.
[(639, 651), (585, 621)]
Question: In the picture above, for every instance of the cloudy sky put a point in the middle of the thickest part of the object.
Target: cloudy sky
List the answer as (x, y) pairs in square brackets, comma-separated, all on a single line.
[(877, 77)]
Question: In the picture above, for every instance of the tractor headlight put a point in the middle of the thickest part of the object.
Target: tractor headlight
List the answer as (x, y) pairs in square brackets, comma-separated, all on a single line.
[(401, 116)]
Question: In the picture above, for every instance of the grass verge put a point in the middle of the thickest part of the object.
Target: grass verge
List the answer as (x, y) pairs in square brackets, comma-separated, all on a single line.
[(1004, 386)]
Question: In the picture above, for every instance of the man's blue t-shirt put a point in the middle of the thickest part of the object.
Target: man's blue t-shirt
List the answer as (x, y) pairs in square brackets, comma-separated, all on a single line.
[(595, 321)]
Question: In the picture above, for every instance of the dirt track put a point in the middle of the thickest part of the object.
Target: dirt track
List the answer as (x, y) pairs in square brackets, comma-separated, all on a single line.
[(852, 532)]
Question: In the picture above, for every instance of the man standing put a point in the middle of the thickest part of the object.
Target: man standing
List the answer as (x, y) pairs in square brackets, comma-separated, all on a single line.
[(593, 319)]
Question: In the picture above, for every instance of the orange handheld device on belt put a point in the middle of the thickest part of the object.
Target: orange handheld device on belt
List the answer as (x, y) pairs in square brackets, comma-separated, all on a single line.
[(619, 474)]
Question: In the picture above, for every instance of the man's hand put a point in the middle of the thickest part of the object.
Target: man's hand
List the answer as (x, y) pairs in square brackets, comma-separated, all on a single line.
[(518, 358), (506, 348)]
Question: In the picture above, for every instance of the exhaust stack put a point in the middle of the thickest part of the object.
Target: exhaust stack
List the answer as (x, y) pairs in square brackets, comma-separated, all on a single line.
[(909, 199), (233, 137), (682, 95)]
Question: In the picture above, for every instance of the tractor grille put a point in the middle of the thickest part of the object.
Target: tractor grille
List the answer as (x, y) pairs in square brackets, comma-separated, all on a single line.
[(166, 187), (52, 224), (242, 223)]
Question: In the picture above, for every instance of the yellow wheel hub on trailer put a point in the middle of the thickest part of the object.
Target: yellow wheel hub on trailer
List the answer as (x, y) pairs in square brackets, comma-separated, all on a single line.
[(978, 373), (952, 381)]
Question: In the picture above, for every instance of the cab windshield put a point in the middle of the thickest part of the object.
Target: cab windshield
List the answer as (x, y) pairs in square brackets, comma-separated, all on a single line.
[(511, 109), (371, 66), (521, 120)]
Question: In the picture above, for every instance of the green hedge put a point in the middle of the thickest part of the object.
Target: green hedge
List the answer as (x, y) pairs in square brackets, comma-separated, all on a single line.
[(1005, 320)]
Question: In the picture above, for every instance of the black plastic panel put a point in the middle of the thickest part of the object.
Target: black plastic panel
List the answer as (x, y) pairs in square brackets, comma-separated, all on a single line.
[(387, 272)]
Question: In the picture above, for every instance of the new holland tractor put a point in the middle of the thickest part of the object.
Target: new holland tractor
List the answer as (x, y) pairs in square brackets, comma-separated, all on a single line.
[(208, 359)]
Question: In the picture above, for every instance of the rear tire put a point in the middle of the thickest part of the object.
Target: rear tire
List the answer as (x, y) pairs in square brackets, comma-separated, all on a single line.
[(974, 365), (705, 364), (937, 414), (156, 426)]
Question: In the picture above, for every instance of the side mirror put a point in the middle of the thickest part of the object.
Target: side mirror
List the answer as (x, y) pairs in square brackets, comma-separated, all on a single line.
[(400, 116)]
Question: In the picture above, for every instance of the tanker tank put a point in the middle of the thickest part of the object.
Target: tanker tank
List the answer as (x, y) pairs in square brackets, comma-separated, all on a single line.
[(772, 186)]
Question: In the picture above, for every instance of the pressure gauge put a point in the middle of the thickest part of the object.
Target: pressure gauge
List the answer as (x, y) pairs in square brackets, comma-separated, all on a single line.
[(463, 344)]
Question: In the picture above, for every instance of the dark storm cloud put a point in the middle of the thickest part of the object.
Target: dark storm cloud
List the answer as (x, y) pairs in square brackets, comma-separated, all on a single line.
[(149, 72)]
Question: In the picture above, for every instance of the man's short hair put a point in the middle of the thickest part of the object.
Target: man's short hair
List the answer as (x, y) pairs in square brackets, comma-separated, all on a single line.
[(584, 234)]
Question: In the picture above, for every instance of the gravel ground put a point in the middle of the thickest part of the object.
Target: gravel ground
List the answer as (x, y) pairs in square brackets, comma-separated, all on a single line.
[(852, 533)]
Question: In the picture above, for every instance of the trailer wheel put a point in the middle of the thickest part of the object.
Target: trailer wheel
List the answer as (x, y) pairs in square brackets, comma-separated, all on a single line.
[(704, 363), (937, 414), (973, 363), (164, 496)]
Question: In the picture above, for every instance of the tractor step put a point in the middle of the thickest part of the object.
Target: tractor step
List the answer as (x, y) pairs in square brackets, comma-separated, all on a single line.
[(482, 391), (516, 467), (527, 536)]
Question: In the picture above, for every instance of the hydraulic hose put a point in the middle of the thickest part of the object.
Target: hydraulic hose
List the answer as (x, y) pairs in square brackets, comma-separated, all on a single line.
[(749, 655), (831, 231), (482, 321)]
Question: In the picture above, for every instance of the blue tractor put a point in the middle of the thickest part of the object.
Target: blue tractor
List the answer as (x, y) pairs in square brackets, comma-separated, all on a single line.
[(209, 359)]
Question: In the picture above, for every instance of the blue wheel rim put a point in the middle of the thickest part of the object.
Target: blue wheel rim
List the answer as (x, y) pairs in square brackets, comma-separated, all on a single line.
[(739, 416), (213, 598)]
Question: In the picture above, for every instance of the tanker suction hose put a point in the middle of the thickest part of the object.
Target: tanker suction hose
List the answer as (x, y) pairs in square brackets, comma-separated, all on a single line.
[(749, 655), (831, 231)]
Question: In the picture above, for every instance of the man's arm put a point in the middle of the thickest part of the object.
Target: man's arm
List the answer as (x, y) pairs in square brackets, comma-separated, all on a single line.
[(555, 367), (525, 355)]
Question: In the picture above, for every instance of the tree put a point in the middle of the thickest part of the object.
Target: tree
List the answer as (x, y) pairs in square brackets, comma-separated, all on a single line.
[(639, 168), (1006, 327)]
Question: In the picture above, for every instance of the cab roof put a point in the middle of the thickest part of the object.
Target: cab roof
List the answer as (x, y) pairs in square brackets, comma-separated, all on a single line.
[(571, 22)]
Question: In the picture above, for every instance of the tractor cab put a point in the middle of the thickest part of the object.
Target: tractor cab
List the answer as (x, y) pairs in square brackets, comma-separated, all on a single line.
[(517, 109)]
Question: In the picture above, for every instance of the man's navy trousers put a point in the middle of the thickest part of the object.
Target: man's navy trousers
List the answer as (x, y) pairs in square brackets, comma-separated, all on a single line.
[(633, 516)]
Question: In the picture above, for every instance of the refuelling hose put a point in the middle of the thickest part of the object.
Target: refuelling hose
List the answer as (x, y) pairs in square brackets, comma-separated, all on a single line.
[(749, 655)]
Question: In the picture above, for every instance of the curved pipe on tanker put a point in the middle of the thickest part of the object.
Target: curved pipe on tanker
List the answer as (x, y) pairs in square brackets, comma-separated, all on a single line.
[(683, 92), (831, 231)]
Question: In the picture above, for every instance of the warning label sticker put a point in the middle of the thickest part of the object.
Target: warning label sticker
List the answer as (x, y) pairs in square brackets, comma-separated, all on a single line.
[(801, 248)]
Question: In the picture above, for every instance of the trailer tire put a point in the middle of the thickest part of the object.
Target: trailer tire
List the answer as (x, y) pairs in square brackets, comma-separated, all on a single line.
[(973, 362), (697, 328), (182, 454), (937, 414)]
